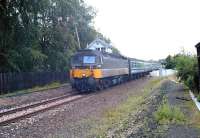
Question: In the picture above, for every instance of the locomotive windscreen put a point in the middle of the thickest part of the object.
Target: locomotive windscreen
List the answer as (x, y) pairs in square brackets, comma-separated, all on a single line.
[(79, 60), (89, 59)]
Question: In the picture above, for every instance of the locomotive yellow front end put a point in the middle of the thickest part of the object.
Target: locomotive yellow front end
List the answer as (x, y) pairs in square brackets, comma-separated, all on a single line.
[(86, 70)]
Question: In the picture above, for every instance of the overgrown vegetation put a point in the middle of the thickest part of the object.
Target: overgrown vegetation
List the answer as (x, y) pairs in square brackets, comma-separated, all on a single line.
[(170, 62), (194, 118), (187, 67), (40, 35), (35, 89), (167, 114), (118, 116), (198, 98)]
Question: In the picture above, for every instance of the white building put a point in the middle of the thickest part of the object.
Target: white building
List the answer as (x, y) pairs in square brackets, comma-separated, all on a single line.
[(100, 45)]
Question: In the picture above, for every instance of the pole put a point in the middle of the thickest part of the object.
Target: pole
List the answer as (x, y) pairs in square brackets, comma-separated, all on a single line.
[(75, 24), (79, 45)]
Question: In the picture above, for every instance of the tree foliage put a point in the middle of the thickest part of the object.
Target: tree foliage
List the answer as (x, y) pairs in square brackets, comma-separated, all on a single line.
[(39, 35), (170, 62), (187, 68)]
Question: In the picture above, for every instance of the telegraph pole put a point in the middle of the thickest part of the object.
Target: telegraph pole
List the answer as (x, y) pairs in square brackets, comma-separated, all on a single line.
[(75, 25), (76, 30)]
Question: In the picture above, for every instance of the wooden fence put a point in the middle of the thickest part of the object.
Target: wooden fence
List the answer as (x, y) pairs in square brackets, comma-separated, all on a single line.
[(10, 82)]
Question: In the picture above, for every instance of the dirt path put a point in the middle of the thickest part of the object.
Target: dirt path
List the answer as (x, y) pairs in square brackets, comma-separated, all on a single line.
[(187, 130), (149, 127)]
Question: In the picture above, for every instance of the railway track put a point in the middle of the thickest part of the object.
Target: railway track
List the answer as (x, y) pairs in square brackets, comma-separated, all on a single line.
[(12, 115)]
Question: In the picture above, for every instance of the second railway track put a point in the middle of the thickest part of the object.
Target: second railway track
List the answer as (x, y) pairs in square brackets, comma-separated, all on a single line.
[(12, 115)]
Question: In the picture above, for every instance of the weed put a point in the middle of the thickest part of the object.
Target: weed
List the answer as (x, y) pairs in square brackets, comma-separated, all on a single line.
[(167, 114), (195, 114), (117, 117), (31, 90)]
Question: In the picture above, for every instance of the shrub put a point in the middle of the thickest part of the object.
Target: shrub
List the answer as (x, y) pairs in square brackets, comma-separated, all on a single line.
[(187, 68), (167, 114), (198, 98)]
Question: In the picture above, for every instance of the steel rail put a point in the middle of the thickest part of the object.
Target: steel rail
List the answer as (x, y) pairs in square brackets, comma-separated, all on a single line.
[(13, 115)]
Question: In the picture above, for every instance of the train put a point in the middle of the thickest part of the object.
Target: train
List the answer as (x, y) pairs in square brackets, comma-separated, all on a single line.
[(93, 70)]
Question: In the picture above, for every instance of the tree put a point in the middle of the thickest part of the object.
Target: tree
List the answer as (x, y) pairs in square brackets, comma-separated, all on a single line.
[(115, 50), (170, 62), (187, 68), (39, 35)]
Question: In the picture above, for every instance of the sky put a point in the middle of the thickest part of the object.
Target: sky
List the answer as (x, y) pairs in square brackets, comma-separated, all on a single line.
[(149, 29)]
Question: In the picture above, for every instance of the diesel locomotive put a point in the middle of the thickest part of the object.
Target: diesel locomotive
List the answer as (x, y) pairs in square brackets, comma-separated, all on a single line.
[(94, 70)]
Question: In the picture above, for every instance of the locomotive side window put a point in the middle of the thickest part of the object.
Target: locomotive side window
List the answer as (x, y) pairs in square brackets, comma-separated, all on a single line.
[(77, 59), (89, 59)]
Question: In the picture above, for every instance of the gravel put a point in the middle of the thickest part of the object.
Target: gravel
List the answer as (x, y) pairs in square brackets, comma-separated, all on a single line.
[(14, 101), (73, 120), (78, 118)]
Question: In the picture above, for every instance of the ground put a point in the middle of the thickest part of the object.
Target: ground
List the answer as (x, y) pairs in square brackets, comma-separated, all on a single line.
[(151, 128), (16, 99), (126, 110)]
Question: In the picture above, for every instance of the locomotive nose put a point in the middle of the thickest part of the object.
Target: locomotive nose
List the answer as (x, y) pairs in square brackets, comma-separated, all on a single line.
[(81, 73)]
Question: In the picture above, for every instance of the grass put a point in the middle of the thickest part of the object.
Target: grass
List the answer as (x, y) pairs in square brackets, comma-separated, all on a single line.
[(31, 90), (117, 117), (167, 114), (194, 118)]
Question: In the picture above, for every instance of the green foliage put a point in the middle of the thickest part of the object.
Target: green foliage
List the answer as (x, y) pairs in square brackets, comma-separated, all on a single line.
[(32, 90), (198, 98), (115, 50), (187, 68), (170, 62), (167, 114), (39, 35)]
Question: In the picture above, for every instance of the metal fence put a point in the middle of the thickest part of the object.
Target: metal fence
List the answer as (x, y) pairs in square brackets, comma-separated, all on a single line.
[(10, 82)]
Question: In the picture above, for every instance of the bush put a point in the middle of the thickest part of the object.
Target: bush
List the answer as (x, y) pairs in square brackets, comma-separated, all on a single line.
[(167, 114), (187, 68), (198, 98)]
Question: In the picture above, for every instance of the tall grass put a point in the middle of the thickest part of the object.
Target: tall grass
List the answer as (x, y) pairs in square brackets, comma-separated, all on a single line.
[(117, 117), (167, 114), (32, 90)]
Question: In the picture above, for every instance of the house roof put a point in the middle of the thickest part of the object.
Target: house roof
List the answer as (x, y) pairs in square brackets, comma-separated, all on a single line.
[(97, 40)]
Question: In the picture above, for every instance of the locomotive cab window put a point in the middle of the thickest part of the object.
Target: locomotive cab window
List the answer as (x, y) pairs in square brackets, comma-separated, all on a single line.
[(89, 59)]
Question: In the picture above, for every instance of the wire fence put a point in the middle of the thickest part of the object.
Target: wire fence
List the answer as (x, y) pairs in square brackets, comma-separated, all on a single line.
[(10, 82)]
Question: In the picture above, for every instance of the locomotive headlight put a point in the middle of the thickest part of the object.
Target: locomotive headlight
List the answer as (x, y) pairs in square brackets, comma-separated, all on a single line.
[(98, 66), (84, 75)]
